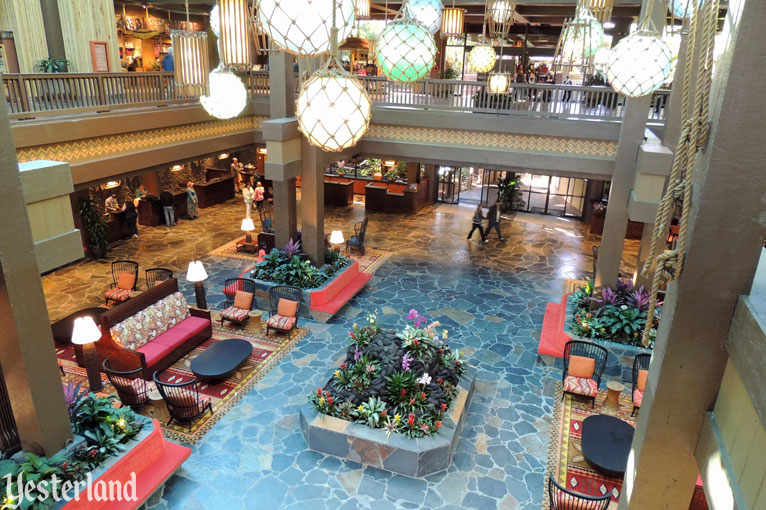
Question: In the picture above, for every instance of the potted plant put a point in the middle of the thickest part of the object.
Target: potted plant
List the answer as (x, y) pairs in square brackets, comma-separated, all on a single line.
[(95, 226), (52, 65), (508, 192)]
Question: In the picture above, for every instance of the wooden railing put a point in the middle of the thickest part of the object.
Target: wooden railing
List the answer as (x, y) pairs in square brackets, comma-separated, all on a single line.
[(32, 95)]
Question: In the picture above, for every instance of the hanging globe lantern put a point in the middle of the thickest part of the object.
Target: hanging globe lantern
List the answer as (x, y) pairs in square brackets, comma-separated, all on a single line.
[(215, 21), (405, 50), (581, 37), (228, 95), (333, 109), (639, 64), (302, 27), (482, 58), (501, 10), (498, 83), (602, 56), (428, 12), (682, 8)]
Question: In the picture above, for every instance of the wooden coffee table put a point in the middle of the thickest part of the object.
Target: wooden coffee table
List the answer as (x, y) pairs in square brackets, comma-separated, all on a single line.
[(221, 360), (247, 247), (606, 443)]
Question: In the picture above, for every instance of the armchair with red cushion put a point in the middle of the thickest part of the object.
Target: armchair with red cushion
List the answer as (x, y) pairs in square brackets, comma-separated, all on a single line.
[(584, 363), (239, 300), (640, 374), (563, 499), (285, 303), (124, 280), (183, 400)]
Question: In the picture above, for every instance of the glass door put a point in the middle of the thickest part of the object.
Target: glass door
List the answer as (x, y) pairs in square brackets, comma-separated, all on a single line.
[(449, 185)]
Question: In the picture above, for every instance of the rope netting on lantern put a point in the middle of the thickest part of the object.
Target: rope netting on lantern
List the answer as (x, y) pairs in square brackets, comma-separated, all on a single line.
[(581, 37), (406, 49), (697, 80)]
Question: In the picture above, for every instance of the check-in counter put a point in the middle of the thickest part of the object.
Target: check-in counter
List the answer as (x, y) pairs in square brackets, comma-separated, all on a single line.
[(116, 227), (339, 194), (395, 198), (215, 191), (150, 212)]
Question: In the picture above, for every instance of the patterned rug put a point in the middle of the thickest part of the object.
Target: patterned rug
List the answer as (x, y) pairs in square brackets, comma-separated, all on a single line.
[(223, 395), (565, 459)]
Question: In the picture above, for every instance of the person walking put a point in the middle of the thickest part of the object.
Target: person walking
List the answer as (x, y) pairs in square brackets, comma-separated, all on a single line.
[(247, 195), (568, 93), (478, 218), (191, 200), (258, 195), (131, 218), (168, 204), (494, 220)]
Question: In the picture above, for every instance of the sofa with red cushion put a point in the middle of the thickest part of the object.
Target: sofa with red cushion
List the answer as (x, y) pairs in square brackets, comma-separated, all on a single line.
[(152, 330)]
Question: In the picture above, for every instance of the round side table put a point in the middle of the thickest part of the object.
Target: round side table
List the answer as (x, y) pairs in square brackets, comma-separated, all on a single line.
[(611, 403), (255, 321), (159, 409)]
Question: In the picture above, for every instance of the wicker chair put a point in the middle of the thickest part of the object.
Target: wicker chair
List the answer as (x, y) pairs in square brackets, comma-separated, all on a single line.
[(131, 386), (231, 312), (562, 499), (356, 241), (183, 400), (641, 362), (283, 322), (156, 275), (267, 223), (586, 387), (118, 291)]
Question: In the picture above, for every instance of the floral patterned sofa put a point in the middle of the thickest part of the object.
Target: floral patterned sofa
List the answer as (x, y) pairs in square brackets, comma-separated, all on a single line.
[(152, 331)]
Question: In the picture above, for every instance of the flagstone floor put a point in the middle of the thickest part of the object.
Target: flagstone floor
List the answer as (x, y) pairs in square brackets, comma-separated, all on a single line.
[(492, 299)]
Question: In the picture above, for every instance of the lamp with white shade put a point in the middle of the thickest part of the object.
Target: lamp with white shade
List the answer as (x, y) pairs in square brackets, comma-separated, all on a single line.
[(336, 238), (197, 274), (86, 333), (248, 226)]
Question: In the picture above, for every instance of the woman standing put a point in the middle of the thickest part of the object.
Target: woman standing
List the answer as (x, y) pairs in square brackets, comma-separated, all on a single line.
[(247, 195), (258, 195), (131, 218), (191, 200), (478, 218)]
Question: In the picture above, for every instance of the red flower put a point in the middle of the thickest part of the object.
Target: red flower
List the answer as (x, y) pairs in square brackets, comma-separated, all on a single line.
[(438, 424), (64, 465), (383, 412), (457, 362), (411, 420), (422, 396), (444, 407), (352, 335), (412, 401), (343, 366), (441, 351), (326, 394), (440, 380), (415, 341), (329, 400), (424, 427), (319, 391), (404, 392)]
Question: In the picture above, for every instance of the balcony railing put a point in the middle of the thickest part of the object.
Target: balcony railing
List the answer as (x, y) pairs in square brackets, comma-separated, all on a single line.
[(33, 95)]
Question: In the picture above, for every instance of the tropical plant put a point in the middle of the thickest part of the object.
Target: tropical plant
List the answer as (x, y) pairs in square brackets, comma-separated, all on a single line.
[(95, 226), (449, 73), (370, 412), (370, 166), (74, 396), (292, 248), (299, 273), (508, 191), (400, 386), (52, 65)]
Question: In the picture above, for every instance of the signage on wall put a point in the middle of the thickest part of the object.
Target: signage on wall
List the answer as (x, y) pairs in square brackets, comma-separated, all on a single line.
[(99, 54)]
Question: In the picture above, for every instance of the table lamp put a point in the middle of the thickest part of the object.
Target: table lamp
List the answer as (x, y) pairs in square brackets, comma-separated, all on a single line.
[(248, 226), (86, 333), (197, 274), (336, 238)]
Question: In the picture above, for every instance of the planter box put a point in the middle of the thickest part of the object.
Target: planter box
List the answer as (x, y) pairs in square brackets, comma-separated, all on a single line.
[(396, 453), (619, 363)]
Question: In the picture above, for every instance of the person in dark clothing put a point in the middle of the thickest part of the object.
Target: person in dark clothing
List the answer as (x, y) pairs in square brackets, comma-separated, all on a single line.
[(494, 220), (478, 219), (131, 218), (167, 201)]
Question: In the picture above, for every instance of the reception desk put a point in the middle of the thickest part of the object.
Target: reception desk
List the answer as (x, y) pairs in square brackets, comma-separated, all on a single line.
[(215, 191), (382, 198), (360, 183), (339, 194), (116, 227), (150, 212)]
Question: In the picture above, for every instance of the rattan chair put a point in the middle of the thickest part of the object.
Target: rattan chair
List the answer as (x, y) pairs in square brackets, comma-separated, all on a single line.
[(116, 293), (231, 313), (356, 242), (156, 275), (280, 322), (577, 385), (563, 499), (641, 362), (131, 386), (183, 400)]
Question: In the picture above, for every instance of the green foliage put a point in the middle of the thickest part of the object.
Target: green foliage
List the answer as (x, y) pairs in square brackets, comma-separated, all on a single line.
[(508, 191), (370, 166), (449, 73), (363, 371), (400, 386), (52, 65), (94, 224), (582, 296), (370, 412), (299, 273)]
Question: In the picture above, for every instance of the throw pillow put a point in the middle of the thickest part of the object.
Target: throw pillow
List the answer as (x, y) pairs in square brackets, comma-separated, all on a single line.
[(243, 299), (641, 383), (287, 308), (580, 366), (126, 281)]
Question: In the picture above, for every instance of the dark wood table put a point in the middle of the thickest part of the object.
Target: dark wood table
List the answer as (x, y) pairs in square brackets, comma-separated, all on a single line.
[(247, 247), (606, 443), (62, 328), (221, 360)]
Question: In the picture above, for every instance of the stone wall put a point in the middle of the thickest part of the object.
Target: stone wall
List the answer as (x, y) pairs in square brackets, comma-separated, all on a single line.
[(194, 172)]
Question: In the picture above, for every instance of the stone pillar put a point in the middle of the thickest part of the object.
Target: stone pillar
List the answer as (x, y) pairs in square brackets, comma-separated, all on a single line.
[(54, 37), (631, 136), (27, 354), (285, 222), (643, 254), (312, 203), (722, 254)]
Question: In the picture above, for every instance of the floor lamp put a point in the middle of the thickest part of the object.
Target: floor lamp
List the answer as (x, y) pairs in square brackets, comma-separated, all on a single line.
[(197, 274), (86, 333)]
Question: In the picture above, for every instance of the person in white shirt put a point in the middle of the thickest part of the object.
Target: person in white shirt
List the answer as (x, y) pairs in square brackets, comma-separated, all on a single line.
[(494, 220), (248, 193)]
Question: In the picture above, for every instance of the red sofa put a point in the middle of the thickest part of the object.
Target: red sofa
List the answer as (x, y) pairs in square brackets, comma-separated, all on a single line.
[(163, 328)]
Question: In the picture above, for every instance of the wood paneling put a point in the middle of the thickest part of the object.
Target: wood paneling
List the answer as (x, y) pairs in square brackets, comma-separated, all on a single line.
[(84, 21), (24, 18)]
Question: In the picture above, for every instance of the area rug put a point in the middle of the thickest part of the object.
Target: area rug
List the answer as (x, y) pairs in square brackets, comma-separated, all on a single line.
[(565, 459), (223, 395), (572, 285)]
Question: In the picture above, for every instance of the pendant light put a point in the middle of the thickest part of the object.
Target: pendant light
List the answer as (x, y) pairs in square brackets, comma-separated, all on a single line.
[(228, 95), (302, 27), (428, 12), (453, 20), (639, 64), (234, 40), (190, 59), (406, 49), (362, 9), (333, 107), (482, 58)]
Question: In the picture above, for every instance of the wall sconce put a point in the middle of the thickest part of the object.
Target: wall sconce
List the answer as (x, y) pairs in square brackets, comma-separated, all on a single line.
[(111, 184), (262, 150), (223, 155), (389, 162), (176, 168)]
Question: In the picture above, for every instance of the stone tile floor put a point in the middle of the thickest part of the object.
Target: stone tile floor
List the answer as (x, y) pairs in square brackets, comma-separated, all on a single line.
[(492, 299)]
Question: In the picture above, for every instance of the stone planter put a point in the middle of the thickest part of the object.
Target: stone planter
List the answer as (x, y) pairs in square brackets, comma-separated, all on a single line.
[(395, 453), (619, 363)]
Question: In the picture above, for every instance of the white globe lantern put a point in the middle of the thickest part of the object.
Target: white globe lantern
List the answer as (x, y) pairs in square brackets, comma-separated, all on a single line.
[(428, 12), (498, 83), (333, 109), (405, 50), (228, 95), (302, 27), (215, 21), (582, 37), (602, 56), (639, 64), (501, 10), (482, 58)]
